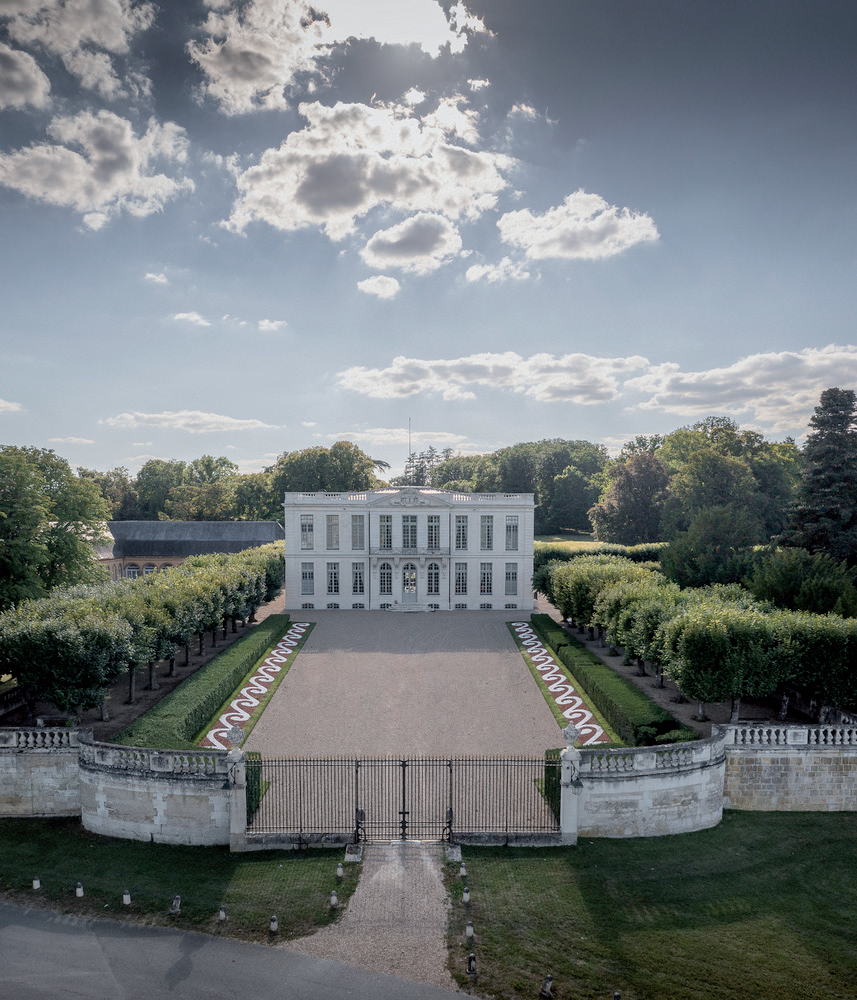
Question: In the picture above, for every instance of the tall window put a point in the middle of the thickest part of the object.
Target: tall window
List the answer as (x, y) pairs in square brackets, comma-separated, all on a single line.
[(357, 574), (358, 531), (461, 531), (385, 581), (307, 578), (511, 532), (333, 531), (306, 532), (409, 531), (511, 579), (461, 578), (434, 531), (333, 578), (385, 539), (486, 578), (486, 532), (433, 579)]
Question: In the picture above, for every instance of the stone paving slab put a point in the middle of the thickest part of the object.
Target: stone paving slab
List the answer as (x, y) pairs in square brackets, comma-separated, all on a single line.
[(380, 683)]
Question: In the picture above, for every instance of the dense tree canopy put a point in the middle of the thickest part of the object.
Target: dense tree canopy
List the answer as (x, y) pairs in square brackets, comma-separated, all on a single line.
[(631, 510), (49, 521)]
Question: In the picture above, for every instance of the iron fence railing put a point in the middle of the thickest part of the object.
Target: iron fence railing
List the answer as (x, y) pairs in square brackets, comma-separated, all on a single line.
[(420, 798)]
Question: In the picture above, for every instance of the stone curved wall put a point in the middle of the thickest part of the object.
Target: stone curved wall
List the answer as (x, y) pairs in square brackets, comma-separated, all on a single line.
[(165, 796), (651, 791)]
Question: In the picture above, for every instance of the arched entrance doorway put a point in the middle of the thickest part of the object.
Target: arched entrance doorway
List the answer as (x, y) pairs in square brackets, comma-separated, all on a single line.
[(409, 584)]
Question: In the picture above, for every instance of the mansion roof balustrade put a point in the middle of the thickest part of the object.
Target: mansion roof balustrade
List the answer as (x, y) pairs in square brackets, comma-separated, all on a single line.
[(400, 551), (409, 496)]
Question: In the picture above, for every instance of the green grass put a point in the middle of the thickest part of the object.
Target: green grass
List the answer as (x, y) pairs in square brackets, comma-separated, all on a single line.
[(556, 710), (174, 722), (762, 906), (573, 540), (293, 885), (631, 713), (263, 701)]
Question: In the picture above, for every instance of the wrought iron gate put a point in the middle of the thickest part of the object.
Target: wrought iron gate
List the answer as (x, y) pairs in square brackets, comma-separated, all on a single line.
[(401, 798)]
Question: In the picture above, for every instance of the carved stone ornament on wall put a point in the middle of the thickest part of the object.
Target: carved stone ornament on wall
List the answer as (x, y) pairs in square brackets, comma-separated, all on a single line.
[(410, 498)]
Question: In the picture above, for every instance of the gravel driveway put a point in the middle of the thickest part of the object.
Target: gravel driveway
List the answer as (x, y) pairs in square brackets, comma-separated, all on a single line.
[(379, 683)]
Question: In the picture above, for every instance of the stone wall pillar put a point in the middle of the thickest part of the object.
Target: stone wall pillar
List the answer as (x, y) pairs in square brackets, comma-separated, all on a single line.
[(570, 786), (237, 762)]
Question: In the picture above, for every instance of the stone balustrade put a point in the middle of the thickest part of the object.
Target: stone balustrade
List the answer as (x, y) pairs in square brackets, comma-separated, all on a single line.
[(748, 734), (108, 756), (652, 760), (39, 772), (37, 739)]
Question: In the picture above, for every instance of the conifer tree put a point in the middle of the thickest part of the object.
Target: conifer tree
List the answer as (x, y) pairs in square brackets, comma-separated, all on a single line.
[(825, 518)]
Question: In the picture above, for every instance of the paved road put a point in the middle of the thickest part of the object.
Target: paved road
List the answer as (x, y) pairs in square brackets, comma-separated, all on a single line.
[(376, 682), (47, 956)]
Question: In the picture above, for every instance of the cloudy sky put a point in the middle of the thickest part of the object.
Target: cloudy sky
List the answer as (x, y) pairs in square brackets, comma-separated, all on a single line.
[(240, 227)]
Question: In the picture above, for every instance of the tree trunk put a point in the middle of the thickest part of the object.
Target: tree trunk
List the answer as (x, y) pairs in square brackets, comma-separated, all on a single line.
[(641, 667), (201, 637), (153, 683), (214, 637), (736, 709), (132, 684), (172, 672), (187, 655), (701, 716), (105, 715), (784, 707)]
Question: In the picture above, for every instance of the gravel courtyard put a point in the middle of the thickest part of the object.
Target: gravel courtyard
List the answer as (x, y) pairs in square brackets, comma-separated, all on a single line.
[(379, 683)]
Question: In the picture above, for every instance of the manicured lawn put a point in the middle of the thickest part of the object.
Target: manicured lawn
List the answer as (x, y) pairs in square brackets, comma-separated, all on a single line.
[(293, 885), (572, 539), (762, 906)]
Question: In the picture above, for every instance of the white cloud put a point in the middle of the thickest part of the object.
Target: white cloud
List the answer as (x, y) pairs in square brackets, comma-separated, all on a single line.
[(112, 172), (8, 407), (158, 279), (572, 378), (506, 270), (351, 158), (251, 54), (420, 244), (271, 325), (84, 34), (454, 120), (399, 435), (381, 285), (192, 421), (779, 390), (584, 227), (70, 440), (478, 84), (21, 80), (192, 317), (309, 423), (414, 96)]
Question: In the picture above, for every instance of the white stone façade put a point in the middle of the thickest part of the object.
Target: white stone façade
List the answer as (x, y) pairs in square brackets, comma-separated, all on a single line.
[(411, 545)]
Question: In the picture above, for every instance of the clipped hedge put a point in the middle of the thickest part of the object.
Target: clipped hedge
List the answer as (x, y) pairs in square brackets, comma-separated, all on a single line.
[(635, 718), (174, 722), (646, 552)]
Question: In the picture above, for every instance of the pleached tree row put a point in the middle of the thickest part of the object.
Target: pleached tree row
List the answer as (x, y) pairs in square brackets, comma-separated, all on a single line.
[(717, 643), (68, 648)]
